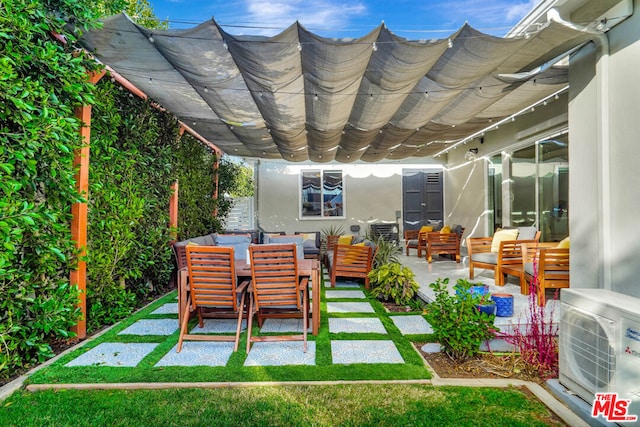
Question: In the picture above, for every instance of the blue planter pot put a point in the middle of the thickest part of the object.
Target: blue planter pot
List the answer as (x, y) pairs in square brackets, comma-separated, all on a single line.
[(489, 308), (504, 304), (476, 290)]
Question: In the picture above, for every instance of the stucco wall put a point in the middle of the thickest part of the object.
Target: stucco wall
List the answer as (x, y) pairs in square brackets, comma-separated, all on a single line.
[(373, 194), (604, 161), (466, 181)]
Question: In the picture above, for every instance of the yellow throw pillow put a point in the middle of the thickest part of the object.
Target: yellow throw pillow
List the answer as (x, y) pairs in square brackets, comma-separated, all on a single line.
[(358, 244), (193, 244), (564, 243), (345, 240), (426, 229), (502, 235), (446, 229)]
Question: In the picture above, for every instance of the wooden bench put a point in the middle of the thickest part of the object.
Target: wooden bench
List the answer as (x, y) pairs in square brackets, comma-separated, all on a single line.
[(351, 261)]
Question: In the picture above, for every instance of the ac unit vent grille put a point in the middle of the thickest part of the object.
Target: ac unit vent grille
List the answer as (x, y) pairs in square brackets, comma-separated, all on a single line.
[(589, 349)]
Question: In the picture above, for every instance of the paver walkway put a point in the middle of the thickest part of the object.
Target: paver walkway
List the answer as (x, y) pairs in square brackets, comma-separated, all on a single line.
[(347, 310)]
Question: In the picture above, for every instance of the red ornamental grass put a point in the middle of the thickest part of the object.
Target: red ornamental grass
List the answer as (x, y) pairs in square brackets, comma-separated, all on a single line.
[(538, 344)]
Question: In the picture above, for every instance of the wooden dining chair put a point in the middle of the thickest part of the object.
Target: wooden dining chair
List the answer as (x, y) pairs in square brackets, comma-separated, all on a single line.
[(212, 285), (276, 290)]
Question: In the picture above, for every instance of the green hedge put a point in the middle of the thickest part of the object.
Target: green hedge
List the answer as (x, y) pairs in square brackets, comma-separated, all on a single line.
[(130, 176), (136, 154), (41, 83)]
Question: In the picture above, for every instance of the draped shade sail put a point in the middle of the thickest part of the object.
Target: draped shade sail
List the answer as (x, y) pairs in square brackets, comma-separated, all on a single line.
[(302, 97)]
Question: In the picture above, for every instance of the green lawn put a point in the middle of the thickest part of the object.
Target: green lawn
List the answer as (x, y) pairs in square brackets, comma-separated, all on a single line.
[(234, 371), (338, 405)]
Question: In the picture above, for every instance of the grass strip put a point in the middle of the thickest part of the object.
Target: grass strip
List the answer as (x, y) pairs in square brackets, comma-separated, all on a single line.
[(344, 405)]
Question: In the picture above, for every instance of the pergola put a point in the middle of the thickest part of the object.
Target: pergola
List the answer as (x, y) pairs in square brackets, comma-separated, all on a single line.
[(304, 98)]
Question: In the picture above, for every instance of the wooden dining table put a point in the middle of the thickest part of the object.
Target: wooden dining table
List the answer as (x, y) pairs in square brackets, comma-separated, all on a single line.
[(306, 268)]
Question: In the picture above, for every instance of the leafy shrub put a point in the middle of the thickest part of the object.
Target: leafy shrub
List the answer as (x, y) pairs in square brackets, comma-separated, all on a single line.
[(459, 326), (386, 252), (393, 281)]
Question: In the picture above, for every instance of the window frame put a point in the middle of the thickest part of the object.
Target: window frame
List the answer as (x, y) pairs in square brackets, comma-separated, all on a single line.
[(323, 209)]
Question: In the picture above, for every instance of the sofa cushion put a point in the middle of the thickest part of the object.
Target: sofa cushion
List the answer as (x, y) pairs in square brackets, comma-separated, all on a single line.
[(486, 257), (357, 240), (457, 229), (266, 235), (297, 239), (528, 268), (526, 233), (502, 235), (239, 243)]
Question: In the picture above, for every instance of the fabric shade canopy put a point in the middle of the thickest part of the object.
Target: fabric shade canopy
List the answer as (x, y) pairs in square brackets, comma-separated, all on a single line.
[(302, 97)]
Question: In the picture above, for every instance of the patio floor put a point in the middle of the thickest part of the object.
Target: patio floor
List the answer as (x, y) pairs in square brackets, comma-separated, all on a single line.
[(355, 331)]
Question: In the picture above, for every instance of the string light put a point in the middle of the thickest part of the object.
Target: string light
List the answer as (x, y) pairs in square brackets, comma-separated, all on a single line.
[(150, 38), (375, 47), (450, 43)]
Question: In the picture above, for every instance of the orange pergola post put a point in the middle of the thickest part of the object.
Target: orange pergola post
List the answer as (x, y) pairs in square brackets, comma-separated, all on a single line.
[(216, 166), (173, 211), (78, 276)]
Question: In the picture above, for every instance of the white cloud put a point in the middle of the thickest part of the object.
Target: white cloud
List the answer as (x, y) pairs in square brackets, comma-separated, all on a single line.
[(497, 15), (518, 11), (317, 14)]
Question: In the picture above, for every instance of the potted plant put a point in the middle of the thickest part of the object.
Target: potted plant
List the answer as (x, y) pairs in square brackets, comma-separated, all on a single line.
[(478, 291), (459, 326)]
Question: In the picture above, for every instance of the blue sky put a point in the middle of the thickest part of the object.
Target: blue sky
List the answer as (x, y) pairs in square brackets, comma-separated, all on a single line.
[(413, 19)]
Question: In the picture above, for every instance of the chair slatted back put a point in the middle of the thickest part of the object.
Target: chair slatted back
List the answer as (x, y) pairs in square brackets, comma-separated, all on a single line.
[(332, 240), (274, 275), (443, 240), (352, 261), (212, 276), (554, 262), (180, 252)]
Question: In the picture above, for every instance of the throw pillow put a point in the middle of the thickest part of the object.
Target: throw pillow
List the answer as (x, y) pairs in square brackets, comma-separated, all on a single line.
[(446, 229), (564, 243), (345, 240), (502, 235), (426, 229)]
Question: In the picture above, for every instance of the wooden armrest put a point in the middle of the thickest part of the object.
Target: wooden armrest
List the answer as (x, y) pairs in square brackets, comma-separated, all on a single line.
[(531, 250), (479, 244), (304, 283), (243, 286)]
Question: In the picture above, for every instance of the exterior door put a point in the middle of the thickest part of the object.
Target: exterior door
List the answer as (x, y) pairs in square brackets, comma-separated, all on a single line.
[(422, 199)]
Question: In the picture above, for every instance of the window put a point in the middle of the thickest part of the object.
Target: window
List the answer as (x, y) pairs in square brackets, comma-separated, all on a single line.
[(538, 178), (322, 194)]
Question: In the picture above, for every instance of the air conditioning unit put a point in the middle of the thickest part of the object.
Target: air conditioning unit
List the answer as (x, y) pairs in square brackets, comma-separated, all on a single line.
[(599, 348)]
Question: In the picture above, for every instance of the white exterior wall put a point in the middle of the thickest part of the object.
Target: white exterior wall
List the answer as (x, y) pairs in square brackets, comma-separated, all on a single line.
[(466, 182), (604, 118), (372, 194)]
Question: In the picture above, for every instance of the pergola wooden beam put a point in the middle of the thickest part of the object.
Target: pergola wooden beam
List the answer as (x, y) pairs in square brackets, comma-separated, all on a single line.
[(79, 211), (78, 276)]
